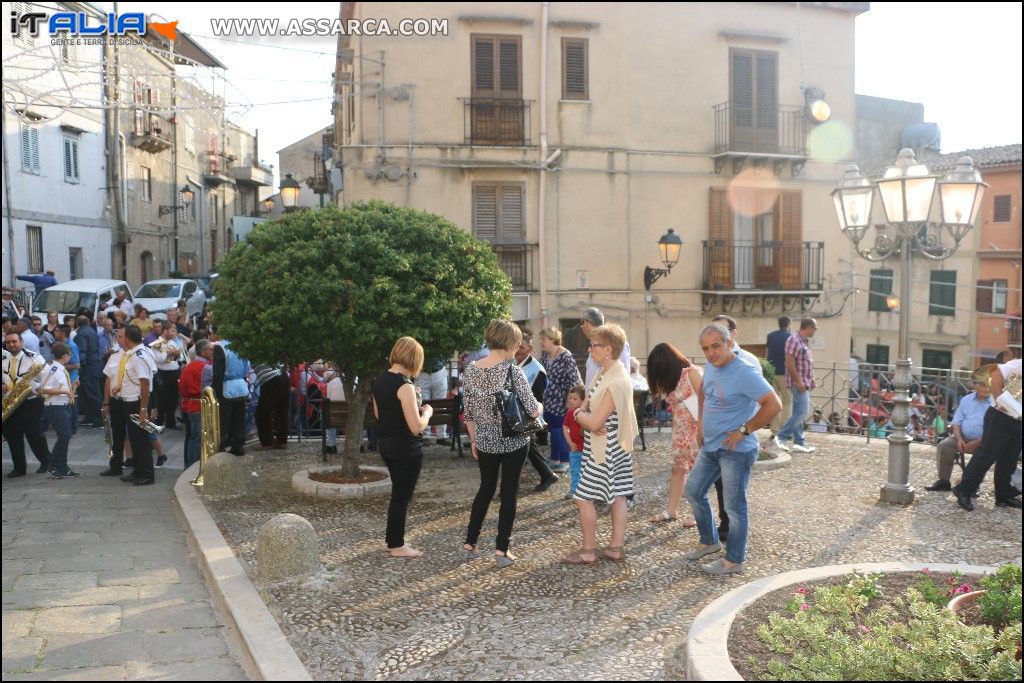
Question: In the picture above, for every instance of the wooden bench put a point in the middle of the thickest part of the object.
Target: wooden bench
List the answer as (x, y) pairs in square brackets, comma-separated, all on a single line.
[(446, 412)]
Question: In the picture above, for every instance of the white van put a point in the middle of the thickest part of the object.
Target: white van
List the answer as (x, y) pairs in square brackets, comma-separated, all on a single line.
[(67, 298)]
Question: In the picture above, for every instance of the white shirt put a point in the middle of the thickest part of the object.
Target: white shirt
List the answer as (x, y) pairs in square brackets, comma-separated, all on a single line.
[(140, 366), (1010, 368), (22, 363), (57, 377), (335, 392), (166, 362), (126, 306)]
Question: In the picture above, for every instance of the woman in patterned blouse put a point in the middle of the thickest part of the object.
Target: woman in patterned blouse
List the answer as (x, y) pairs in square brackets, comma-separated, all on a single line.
[(671, 375), (482, 380), (563, 375)]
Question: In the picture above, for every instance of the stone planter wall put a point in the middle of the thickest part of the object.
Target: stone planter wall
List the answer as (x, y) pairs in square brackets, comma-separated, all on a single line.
[(301, 483)]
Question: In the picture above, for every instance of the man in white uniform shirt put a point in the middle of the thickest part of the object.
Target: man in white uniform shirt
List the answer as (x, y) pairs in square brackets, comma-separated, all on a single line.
[(138, 378), (58, 398), (113, 405), (168, 356), (24, 423)]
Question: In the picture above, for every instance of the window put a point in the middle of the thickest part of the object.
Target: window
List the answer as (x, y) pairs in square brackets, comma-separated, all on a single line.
[(1001, 214), (575, 67), (29, 148), (754, 101), (190, 137), (498, 212), (938, 360), (878, 354), (75, 262), (942, 293), (71, 159), (35, 248), (147, 184), (214, 213), (881, 288), (497, 66), (991, 296)]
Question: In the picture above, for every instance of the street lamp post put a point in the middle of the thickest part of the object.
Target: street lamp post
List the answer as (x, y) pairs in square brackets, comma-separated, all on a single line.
[(669, 245), (290, 193), (906, 190)]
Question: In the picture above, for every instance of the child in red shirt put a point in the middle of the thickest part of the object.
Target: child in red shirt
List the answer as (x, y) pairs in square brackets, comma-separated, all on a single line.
[(573, 433)]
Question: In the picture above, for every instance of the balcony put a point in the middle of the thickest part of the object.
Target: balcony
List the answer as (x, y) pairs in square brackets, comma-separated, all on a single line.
[(519, 263), (777, 136), (153, 141), (765, 276), (216, 172), (496, 121), (319, 182), (258, 176)]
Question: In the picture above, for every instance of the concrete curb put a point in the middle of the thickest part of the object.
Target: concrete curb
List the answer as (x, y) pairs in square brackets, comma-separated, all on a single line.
[(780, 460), (301, 483), (707, 644), (268, 655)]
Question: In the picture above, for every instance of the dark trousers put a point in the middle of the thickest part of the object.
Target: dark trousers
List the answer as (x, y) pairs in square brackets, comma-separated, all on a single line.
[(272, 411), (142, 448), (723, 523), (24, 425), (539, 462), (90, 397), (1000, 444), (404, 458), (60, 418), (232, 424), (118, 430), (167, 397), (510, 466)]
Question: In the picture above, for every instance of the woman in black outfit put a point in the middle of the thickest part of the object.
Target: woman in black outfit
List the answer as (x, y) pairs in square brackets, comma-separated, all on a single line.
[(402, 419)]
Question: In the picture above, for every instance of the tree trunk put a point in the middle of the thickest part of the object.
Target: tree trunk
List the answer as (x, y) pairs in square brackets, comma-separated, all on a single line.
[(354, 429)]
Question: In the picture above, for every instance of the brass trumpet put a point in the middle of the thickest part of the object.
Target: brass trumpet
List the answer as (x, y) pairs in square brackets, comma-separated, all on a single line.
[(149, 426)]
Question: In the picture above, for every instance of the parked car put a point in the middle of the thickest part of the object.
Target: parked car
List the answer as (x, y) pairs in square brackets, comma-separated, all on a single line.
[(68, 298), (160, 295), (206, 283)]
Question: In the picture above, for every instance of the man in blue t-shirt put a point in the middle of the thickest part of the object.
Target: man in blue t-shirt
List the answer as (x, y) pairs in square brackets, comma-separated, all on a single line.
[(777, 356), (735, 403)]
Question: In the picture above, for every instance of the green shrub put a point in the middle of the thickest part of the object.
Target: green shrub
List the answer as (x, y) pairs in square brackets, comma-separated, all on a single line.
[(941, 595), (839, 634), (1000, 606)]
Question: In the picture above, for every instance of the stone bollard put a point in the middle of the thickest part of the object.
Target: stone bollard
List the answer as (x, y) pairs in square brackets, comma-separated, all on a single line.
[(227, 474), (287, 548)]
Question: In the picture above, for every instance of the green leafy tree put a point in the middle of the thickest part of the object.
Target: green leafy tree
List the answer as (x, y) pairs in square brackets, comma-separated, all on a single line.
[(344, 284)]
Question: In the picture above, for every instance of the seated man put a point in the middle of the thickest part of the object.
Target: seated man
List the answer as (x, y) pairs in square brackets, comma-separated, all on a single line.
[(968, 424)]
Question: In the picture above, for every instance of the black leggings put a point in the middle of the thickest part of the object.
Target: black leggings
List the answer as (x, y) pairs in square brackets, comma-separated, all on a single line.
[(510, 465), (403, 457)]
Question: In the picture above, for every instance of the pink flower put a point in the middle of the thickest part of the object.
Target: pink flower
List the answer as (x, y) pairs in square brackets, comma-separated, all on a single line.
[(804, 607), (801, 590), (926, 570), (864, 629)]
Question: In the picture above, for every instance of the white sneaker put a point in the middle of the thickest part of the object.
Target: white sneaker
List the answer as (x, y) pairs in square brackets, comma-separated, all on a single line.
[(774, 442), (797, 448)]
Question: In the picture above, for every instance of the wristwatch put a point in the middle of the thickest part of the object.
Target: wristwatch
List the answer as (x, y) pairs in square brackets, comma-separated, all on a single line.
[(743, 429)]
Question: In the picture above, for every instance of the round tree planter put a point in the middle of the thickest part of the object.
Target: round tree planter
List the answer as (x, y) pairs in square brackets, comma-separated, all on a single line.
[(776, 461), (707, 645), (957, 604), (301, 483)]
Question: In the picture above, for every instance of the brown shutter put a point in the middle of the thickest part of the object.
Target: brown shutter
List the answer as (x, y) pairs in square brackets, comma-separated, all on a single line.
[(485, 212), (510, 84), (719, 257), (742, 88), (983, 301), (483, 67), (512, 227), (574, 69), (1001, 212), (766, 91), (792, 240)]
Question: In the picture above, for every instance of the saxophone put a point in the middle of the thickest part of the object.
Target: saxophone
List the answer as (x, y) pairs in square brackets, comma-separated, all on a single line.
[(21, 390)]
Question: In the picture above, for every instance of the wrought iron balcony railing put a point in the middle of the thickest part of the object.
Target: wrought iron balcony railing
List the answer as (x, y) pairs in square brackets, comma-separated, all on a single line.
[(778, 130), (490, 121), (775, 265), (519, 263)]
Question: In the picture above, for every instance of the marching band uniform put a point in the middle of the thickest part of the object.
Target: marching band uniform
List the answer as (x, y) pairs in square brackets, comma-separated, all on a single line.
[(60, 413), (140, 368), (115, 370), (168, 366), (24, 423)]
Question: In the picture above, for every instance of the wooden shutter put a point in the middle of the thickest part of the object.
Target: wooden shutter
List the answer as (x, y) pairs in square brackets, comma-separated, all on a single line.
[(1001, 214), (719, 250), (153, 120), (26, 147), (983, 300), (497, 67), (574, 69), (68, 168), (753, 89), (942, 293), (509, 69), (485, 212), (512, 219), (741, 78), (766, 91), (484, 83), (792, 222)]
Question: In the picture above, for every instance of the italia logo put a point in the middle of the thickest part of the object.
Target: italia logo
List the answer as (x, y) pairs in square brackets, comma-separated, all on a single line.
[(78, 24)]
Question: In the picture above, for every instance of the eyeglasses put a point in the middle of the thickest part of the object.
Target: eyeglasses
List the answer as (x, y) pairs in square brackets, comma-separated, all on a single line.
[(597, 346)]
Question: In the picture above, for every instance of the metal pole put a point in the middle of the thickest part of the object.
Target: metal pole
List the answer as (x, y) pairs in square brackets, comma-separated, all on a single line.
[(898, 489)]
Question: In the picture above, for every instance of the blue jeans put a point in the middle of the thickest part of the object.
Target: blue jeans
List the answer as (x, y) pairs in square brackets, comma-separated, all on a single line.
[(331, 437), (559, 448), (193, 440), (794, 427), (575, 467), (60, 418), (734, 468)]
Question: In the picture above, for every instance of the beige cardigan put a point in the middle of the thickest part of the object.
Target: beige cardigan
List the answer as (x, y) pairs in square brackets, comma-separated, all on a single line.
[(616, 382)]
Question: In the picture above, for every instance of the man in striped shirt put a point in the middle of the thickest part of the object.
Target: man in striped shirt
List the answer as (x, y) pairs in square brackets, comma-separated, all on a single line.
[(800, 380)]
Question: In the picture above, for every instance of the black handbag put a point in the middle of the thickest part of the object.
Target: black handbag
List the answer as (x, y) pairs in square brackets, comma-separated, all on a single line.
[(515, 421)]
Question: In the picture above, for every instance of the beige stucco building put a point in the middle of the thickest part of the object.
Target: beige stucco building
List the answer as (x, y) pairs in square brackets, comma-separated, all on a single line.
[(573, 135)]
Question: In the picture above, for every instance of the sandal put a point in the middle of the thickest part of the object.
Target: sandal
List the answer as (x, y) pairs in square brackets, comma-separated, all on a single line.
[(617, 549), (689, 523), (662, 518), (470, 553), (577, 557)]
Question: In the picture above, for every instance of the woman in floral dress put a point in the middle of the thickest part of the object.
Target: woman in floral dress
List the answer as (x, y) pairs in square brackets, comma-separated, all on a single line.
[(671, 375)]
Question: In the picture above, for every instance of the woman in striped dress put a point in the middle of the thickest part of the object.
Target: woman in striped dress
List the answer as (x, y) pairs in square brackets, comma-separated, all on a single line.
[(609, 424)]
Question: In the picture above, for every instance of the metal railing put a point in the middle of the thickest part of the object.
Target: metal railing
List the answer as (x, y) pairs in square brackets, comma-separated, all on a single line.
[(518, 262), (778, 130), (496, 121), (771, 265)]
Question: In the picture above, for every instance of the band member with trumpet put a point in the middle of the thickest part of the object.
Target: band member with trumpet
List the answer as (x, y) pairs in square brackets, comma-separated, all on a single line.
[(138, 380), (59, 397), (23, 409), (113, 405), (168, 351)]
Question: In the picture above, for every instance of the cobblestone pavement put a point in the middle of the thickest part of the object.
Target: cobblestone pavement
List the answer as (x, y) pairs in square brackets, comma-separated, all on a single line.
[(98, 581), (369, 617)]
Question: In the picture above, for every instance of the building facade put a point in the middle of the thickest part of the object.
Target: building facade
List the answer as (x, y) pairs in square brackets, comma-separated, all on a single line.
[(572, 136)]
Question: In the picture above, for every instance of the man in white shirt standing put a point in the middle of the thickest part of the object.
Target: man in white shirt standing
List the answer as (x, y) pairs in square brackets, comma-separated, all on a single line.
[(23, 423), (113, 404), (138, 378), (168, 353)]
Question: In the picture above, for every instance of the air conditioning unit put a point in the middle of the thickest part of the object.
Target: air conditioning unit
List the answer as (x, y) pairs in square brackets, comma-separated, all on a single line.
[(521, 307)]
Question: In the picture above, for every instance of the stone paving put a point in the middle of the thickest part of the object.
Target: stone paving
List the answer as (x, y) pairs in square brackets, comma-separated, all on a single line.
[(98, 580), (369, 617)]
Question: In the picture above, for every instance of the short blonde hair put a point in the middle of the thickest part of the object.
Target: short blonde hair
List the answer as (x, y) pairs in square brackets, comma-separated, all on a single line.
[(408, 353), (503, 335), (610, 334), (553, 334)]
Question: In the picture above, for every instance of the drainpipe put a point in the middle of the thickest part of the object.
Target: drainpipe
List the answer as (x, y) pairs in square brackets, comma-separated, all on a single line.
[(542, 192)]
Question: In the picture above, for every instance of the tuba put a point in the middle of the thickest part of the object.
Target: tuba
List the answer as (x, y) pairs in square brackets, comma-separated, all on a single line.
[(209, 436), (1010, 400), (21, 390)]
